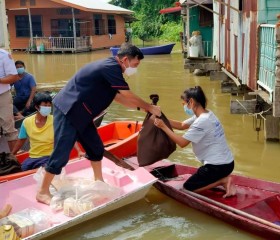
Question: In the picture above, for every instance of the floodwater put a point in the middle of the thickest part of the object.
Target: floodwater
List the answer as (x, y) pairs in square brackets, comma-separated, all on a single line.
[(158, 216)]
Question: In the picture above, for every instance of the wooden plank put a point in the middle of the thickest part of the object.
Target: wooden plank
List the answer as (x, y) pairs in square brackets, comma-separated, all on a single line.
[(265, 96), (212, 66), (228, 86), (272, 129), (276, 102), (242, 106), (194, 66), (218, 75), (199, 60)]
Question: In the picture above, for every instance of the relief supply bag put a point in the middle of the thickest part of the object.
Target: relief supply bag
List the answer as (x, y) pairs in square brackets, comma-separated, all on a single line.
[(153, 143), (8, 164), (4, 146)]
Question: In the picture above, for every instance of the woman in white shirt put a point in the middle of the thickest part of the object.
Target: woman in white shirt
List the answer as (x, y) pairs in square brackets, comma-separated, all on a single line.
[(206, 134)]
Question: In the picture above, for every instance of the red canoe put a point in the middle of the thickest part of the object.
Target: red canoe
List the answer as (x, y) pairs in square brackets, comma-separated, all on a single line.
[(255, 208), (119, 138)]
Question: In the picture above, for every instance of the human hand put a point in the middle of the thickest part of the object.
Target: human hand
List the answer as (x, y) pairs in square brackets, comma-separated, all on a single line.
[(27, 105), (159, 123), (155, 110)]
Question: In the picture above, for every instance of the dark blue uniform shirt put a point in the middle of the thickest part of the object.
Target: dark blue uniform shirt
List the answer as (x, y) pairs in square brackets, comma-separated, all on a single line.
[(90, 91)]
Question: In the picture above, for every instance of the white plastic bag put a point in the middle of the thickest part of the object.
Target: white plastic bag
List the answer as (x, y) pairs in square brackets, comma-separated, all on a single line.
[(28, 221), (81, 195)]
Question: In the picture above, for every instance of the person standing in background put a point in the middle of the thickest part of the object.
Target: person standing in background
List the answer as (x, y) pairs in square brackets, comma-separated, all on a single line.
[(25, 90), (8, 75)]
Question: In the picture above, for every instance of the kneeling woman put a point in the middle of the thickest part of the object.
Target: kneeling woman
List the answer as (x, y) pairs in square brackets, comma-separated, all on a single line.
[(39, 129), (206, 134)]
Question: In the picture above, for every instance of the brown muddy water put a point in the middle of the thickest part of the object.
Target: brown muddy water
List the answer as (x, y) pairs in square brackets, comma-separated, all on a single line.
[(158, 216)]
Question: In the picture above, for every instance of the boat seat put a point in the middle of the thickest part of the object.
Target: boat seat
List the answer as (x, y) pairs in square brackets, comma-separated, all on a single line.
[(111, 142)]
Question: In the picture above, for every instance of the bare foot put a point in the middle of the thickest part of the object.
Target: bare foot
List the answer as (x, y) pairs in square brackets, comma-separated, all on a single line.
[(5, 211), (44, 198), (230, 188), (99, 179)]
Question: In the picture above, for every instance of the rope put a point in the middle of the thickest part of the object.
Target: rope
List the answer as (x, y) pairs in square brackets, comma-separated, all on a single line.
[(254, 114)]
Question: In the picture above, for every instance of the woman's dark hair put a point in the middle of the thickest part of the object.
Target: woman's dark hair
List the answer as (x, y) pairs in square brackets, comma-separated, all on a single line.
[(197, 94), (131, 51), (41, 97), (20, 62)]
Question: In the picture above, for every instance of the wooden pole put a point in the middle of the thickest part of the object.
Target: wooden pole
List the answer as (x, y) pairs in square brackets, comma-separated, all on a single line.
[(188, 30), (74, 29), (117, 160), (231, 209), (4, 39), (30, 27)]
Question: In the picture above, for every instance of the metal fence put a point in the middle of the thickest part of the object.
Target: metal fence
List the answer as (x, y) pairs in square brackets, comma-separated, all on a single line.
[(45, 44), (208, 48), (267, 57)]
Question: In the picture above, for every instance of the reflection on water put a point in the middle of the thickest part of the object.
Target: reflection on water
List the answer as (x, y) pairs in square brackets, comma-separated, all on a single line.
[(159, 216)]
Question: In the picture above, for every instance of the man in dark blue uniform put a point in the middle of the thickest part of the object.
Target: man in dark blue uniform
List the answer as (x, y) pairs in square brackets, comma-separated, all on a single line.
[(90, 91)]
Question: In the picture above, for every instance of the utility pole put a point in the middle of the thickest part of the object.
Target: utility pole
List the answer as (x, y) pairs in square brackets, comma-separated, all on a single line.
[(4, 39)]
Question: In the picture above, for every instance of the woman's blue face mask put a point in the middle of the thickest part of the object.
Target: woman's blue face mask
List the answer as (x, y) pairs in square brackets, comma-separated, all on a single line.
[(188, 111)]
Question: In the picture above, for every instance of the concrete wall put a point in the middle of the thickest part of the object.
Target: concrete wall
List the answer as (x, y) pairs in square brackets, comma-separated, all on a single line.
[(268, 10)]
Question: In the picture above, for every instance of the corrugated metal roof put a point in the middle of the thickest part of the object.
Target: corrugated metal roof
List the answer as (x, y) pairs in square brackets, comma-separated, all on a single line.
[(196, 1), (170, 10), (93, 5)]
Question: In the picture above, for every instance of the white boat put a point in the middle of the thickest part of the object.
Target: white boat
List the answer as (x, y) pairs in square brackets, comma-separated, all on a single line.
[(20, 193)]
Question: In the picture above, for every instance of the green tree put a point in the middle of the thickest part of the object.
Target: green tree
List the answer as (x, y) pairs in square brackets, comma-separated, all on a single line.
[(122, 3), (150, 21)]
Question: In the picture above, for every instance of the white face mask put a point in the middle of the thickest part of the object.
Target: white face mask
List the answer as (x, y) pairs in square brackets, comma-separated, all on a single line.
[(45, 111), (130, 71)]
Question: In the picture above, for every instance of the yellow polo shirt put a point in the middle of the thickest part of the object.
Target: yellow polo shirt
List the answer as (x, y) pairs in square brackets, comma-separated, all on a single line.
[(41, 139)]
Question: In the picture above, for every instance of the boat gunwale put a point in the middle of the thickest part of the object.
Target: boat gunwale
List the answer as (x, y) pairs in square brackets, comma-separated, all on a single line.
[(222, 214)]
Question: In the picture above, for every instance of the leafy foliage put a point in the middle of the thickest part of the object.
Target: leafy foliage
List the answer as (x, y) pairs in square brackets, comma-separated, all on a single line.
[(151, 24), (122, 3)]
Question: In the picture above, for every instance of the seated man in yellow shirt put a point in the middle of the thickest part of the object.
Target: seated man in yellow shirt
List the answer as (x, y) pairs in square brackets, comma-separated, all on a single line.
[(39, 129)]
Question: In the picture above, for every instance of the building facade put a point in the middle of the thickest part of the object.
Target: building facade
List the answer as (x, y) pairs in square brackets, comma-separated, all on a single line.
[(65, 25)]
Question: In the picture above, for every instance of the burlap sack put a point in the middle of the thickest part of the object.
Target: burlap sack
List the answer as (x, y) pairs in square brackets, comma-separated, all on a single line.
[(153, 143)]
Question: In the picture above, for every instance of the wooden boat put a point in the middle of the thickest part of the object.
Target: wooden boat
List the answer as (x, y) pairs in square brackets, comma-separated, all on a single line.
[(119, 138), (255, 208), (20, 193), (154, 50)]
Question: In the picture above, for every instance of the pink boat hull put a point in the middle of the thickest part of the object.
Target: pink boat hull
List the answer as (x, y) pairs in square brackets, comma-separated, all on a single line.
[(20, 193)]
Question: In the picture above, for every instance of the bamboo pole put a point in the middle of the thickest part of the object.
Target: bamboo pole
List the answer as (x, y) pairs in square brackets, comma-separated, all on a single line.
[(234, 210)]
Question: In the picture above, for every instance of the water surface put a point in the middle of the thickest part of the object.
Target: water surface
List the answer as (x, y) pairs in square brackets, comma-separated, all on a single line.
[(158, 216)]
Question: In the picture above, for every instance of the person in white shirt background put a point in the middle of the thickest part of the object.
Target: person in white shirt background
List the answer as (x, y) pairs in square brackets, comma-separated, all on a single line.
[(8, 75)]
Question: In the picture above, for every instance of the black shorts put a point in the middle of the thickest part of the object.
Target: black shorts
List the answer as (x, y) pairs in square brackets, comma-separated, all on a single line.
[(208, 174)]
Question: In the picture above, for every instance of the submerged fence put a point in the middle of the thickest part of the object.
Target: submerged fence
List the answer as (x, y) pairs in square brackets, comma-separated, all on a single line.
[(52, 44)]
